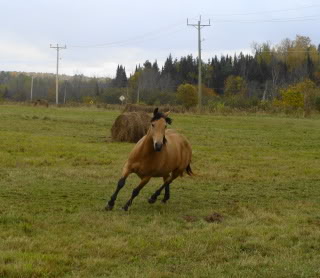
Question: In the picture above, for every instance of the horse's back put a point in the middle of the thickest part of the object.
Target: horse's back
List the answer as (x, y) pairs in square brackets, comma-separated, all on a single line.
[(178, 139), (179, 147)]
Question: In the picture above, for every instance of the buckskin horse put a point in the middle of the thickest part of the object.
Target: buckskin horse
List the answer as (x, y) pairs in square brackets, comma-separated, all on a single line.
[(162, 153)]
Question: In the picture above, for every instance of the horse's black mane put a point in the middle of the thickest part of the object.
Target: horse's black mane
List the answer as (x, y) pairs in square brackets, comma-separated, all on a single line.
[(158, 115)]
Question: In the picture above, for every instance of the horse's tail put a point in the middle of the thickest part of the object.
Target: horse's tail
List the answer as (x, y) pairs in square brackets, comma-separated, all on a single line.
[(189, 170)]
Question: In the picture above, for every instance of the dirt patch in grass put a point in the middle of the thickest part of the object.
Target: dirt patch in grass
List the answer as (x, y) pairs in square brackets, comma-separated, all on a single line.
[(214, 218)]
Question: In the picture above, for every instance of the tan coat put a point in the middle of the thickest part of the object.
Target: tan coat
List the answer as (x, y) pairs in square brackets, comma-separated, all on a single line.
[(160, 153)]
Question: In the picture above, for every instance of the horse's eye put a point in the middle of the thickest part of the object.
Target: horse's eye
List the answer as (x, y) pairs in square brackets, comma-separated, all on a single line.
[(152, 125)]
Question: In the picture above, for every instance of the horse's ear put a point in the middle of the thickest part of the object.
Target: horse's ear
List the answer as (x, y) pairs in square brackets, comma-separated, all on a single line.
[(155, 111), (166, 114)]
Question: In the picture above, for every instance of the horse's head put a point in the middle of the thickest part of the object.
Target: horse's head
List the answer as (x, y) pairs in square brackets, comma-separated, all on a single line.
[(158, 127)]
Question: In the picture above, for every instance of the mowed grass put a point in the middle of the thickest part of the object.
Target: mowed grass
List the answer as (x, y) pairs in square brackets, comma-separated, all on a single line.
[(260, 174)]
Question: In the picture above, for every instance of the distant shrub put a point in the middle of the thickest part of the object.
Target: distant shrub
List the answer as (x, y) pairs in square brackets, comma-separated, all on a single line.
[(291, 97), (208, 94), (302, 95), (187, 94)]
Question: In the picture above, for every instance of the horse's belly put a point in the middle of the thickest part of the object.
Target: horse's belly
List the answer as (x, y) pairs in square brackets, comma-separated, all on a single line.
[(143, 171)]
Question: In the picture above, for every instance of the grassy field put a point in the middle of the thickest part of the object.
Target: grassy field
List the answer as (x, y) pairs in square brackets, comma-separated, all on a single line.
[(260, 175)]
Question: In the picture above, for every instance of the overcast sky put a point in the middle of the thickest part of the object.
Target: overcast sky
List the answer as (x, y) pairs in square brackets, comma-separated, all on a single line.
[(100, 34)]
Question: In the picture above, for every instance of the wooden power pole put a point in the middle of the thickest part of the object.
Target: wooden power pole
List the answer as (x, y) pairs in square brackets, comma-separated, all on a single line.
[(57, 47), (199, 26)]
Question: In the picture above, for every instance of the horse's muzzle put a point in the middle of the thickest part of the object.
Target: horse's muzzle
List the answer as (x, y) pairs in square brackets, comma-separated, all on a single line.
[(158, 147)]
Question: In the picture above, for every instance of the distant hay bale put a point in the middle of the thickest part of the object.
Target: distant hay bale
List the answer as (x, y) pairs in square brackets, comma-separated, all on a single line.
[(138, 108), (42, 102), (150, 108), (130, 127)]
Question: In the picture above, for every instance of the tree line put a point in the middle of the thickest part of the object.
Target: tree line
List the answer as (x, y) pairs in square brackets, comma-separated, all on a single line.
[(262, 76)]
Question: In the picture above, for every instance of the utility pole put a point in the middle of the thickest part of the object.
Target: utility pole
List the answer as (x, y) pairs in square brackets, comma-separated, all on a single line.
[(57, 47), (199, 26), (31, 91)]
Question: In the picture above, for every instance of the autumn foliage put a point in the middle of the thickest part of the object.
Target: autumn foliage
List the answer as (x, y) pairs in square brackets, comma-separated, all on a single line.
[(235, 85), (300, 95), (187, 94)]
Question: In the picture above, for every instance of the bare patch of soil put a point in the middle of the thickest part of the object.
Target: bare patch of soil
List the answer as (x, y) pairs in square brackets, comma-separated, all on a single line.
[(214, 218)]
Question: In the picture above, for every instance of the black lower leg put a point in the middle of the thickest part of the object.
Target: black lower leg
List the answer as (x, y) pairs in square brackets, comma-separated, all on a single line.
[(135, 193), (121, 184), (166, 194), (155, 195)]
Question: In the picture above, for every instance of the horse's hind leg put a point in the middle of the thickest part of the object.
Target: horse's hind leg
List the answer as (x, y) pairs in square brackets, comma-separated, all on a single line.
[(136, 191), (166, 197), (166, 186), (121, 184), (166, 193), (155, 195)]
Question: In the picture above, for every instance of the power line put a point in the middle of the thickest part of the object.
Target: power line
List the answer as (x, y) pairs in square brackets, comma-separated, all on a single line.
[(145, 36), (276, 20), (57, 47), (157, 32), (148, 39), (199, 26), (265, 12)]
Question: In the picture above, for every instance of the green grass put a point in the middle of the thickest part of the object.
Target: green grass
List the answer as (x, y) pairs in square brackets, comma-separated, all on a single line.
[(58, 168)]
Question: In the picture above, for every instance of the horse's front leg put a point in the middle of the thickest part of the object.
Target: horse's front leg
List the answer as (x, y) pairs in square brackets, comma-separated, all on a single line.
[(121, 183), (136, 191)]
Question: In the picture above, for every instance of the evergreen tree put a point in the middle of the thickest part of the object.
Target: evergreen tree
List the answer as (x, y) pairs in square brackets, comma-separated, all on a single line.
[(147, 65), (187, 70), (155, 66), (168, 67), (120, 80)]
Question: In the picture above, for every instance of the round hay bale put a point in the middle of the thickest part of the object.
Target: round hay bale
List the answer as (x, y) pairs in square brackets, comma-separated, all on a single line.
[(138, 108), (130, 127)]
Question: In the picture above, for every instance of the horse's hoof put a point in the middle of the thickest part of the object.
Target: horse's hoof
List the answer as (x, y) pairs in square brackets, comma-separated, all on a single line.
[(108, 207), (125, 208), (152, 201), (164, 201)]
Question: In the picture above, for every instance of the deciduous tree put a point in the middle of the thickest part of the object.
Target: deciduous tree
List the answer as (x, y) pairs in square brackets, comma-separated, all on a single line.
[(187, 94)]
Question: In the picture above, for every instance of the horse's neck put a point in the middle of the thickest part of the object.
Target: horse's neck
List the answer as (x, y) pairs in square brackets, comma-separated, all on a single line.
[(147, 145)]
